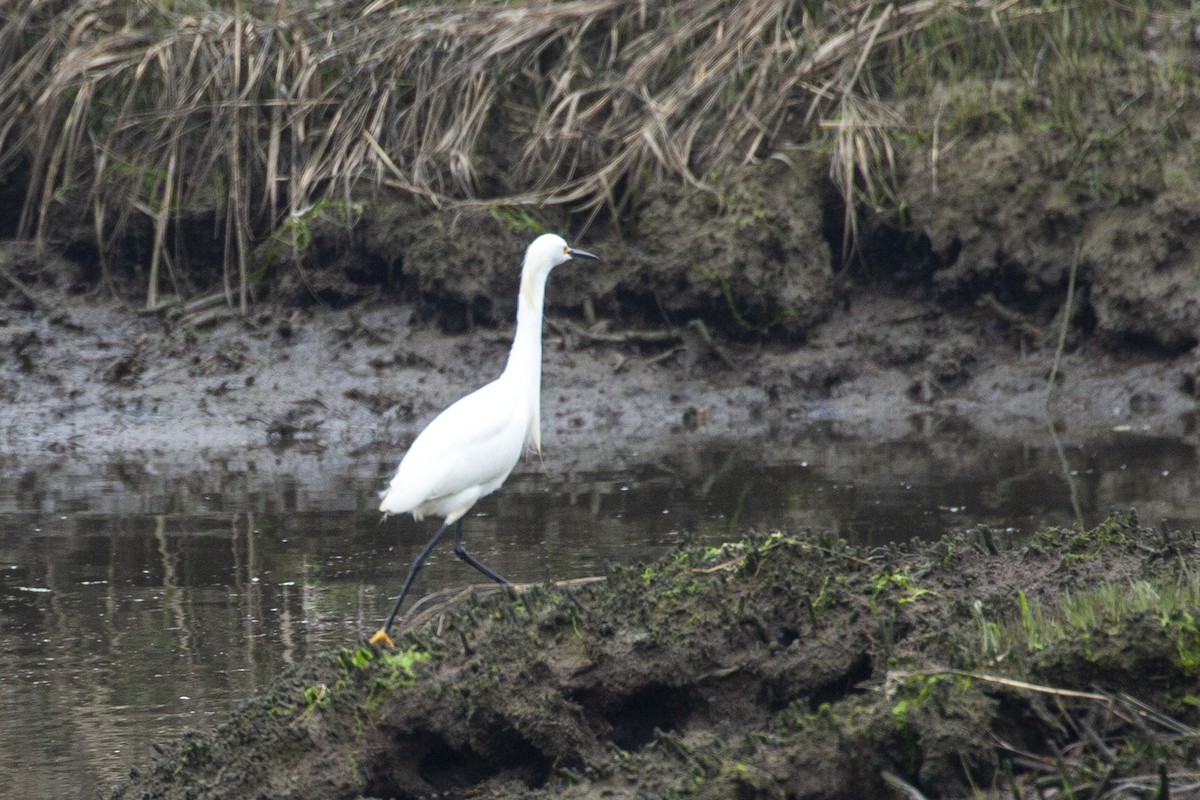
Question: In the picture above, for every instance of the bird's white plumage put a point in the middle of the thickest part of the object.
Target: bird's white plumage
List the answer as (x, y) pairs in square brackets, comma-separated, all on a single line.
[(469, 449), (464, 454)]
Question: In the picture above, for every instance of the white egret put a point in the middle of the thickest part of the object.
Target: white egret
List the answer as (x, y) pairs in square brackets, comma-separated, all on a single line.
[(469, 449)]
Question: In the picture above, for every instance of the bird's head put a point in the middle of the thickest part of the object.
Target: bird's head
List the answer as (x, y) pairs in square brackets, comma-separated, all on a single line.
[(549, 250), (544, 254)]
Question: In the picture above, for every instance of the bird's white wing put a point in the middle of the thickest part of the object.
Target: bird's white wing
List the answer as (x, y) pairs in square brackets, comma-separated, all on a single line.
[(475, 443)]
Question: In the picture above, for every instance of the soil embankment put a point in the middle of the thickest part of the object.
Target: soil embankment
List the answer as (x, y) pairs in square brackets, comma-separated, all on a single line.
[(783, 667)]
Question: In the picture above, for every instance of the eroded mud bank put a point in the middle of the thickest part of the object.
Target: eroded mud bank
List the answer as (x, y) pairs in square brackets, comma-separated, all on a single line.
[(784, 666)]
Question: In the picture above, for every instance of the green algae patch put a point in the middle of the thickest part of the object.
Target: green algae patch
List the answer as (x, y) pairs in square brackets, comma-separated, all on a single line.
[(785, 665), (388, 671)]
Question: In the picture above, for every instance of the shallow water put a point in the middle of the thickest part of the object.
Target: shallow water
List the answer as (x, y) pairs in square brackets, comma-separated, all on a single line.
[(141, 599)]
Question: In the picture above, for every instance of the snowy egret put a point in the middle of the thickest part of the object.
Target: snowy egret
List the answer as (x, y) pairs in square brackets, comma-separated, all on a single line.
[(471, 447)]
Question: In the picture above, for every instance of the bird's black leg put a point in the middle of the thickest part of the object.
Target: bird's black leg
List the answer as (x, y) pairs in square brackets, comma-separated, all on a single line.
[(418, 562), (462, 553)]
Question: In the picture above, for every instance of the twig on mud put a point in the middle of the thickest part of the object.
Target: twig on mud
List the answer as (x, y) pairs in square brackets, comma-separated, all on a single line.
[(1023, 758), (446, 599), (1012, 683), (1065, 713), (186, 306), (1138, 712), (730, 564), (1016, 319), (733, 562), (901, 785), (918, 316), (209, 317), (829, 552), (599, 333), (21, 288), (1159, 783), (665, 355)]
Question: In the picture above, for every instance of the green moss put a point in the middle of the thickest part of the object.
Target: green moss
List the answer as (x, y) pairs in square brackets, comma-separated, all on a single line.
[(386, 672), (396, 672), (1084, 544), (292, 240), (899, 581), (315, 697), (516, 218)]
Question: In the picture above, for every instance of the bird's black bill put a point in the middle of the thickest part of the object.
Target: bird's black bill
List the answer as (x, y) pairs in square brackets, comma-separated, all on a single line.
[(581, 254)]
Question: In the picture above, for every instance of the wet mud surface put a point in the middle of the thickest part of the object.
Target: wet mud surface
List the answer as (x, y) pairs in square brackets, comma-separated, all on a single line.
[(82, 376)]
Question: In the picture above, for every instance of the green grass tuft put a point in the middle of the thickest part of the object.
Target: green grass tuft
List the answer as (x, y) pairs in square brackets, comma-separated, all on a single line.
[(1101, 611)]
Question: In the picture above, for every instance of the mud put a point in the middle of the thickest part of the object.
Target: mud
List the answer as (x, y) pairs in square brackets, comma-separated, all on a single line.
[(84, 375), (779, 667)]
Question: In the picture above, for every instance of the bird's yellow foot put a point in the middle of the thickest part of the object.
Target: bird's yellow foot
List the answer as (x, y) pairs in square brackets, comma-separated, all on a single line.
[(381, 638)]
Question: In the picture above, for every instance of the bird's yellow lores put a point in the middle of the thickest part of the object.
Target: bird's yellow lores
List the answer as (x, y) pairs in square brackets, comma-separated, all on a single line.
[(469, 449)]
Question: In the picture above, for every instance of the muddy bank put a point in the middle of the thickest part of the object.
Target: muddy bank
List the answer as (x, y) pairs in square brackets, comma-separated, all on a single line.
[(82, 376), (734, 312), (786, 666), (1019, 212), (1013, 219)]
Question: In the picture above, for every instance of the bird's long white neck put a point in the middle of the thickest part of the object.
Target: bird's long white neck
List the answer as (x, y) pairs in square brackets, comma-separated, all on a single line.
[(526, 350), (525, 358)]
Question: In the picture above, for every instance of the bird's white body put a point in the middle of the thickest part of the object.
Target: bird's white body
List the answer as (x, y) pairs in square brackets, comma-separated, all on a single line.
[(469, 449), (464, 454)]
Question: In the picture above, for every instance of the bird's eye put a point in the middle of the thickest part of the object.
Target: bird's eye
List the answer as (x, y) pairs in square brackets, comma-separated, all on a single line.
[(566, 249)]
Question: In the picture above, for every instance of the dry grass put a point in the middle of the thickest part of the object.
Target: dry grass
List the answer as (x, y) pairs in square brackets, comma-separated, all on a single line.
[(260, 111)]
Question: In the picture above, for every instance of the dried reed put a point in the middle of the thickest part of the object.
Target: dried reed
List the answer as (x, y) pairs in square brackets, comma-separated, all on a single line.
[(255, 112)]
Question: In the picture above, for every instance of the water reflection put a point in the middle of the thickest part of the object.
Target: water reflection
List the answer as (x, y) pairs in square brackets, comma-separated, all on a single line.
[(139, 599)]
